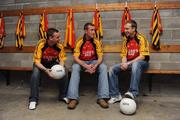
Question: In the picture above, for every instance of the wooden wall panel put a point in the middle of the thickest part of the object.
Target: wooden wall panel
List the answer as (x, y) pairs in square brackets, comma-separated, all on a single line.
[(89, 8), (107, 49)]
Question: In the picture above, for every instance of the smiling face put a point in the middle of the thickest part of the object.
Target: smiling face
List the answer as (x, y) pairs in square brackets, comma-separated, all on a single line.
[(54, 39), (129, 30), (90, 32)]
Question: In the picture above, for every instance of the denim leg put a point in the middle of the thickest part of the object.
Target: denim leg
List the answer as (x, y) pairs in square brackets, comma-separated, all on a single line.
[(73, 89), (63, 85), (103, 87), (114, 72), (34, 84), (136, 71)]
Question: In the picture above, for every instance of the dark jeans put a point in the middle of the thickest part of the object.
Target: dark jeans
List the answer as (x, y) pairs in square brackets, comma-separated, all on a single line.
[(35, 80)]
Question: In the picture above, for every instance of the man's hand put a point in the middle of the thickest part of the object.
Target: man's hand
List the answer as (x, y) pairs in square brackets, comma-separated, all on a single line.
[(124, 66), (94, 66), (48, 72), (91, 68)]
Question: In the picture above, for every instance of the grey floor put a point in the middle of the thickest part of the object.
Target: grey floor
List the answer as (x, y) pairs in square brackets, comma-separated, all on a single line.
[(162, 103)]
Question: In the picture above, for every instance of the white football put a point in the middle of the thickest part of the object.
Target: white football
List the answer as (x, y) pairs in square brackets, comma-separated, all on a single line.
[(128, 106), (57, 71)]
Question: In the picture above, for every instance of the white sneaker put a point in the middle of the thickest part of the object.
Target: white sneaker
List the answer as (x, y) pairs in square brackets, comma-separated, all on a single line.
[(66, 100), (115, 99), (32, 105), (129, 95)]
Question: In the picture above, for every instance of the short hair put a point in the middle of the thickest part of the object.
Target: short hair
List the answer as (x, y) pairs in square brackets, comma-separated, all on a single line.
[(50, 32), (87, 24), (133, 24)]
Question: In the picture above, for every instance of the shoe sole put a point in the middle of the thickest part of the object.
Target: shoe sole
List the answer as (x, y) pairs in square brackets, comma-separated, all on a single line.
[(115, 102), (32, 109)]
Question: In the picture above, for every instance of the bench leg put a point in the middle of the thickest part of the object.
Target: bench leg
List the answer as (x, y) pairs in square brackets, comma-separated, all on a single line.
[(150, 82), (8, 78)]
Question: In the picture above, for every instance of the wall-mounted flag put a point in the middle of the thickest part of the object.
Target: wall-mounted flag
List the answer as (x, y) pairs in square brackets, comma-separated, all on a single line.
[(43, 26), (97, 21), (125, 17), (20, 31), (2, 31), (69, 40), (156, 28)]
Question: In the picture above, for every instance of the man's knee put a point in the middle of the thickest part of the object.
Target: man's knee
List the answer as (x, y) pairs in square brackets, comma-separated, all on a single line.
[(36, 71), (76, 67), (111, 69), (136, 66), (102, 67)]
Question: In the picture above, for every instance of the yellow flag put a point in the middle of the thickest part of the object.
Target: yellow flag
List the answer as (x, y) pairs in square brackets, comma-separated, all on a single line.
[(20, 32), (43, 26), (97, 21), (70, 34), (125, 17), (156, 29)]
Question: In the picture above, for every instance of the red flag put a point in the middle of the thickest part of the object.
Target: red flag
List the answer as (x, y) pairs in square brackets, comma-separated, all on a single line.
[(20, 32), (97, 21), (156, 28), (43, 26), (70, 34), (125, 17), (2, 31)]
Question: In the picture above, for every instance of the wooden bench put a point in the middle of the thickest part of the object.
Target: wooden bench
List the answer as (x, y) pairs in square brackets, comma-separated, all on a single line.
[(8, 69), (107, 49), (152, 72)]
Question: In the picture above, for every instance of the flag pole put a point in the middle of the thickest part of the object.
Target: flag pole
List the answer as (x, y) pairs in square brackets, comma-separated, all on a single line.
[(126, 4), (155, 4), (96, 6)]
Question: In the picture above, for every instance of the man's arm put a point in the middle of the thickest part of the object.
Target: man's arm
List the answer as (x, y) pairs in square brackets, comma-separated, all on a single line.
[(125, 64), (40, 66), (99, 61), (62, 55), (140, 57), (82, 63), (43, 68), (99, 51), (61, 62)]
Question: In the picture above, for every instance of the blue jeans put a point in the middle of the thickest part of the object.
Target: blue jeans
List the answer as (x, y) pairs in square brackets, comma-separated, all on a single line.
[(136, 68), (35, 80), (103, 87)]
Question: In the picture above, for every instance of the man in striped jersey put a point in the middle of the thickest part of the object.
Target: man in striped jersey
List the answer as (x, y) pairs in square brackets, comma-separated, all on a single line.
[(48, 52), (88, 56), (135, 57)]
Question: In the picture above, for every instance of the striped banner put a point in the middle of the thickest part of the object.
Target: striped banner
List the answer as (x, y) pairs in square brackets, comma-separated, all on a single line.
[(125, 17), (43, 26), (20, 32), (156, 29), (69, 40), (97, 21)]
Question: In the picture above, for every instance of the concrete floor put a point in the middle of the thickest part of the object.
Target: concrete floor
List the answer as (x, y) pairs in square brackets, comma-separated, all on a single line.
[(162, 103)]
